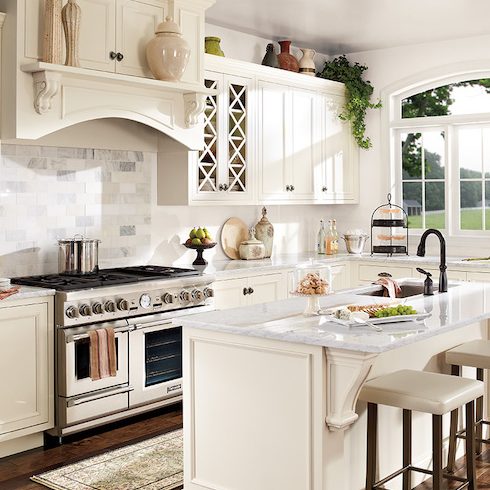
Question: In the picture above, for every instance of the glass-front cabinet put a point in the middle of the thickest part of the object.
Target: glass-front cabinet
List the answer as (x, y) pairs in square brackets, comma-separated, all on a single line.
[(223, 169)]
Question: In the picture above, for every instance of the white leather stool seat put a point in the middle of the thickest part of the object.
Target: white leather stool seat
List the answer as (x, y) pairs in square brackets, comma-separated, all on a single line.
[(475, 354), (421, 391)]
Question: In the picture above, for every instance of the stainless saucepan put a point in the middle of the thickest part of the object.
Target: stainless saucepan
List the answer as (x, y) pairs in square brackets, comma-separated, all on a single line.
[(78, 255)]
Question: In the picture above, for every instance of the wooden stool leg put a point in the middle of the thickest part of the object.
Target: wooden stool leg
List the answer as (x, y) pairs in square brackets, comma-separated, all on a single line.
[(451, 458), (479, 413), (372, 435), (470, 446), (407, 448), (437, 452)]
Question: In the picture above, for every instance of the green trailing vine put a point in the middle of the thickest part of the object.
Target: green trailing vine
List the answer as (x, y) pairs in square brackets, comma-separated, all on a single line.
[(358, 92)]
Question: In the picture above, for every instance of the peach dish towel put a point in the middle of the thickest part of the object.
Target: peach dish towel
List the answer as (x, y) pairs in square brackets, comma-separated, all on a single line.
[(102, 353), (8, 292), (391, 286)]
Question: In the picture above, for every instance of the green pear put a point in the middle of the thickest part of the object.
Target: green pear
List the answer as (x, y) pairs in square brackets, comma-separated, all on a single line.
[(200, 233), (192, 233), (196, 241)]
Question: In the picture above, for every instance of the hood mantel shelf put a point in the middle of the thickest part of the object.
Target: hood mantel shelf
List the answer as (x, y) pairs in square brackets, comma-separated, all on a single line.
[(57, 88)]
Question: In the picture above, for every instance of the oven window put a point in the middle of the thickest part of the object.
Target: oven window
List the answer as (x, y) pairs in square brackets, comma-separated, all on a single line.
[(82, 358), (163, 356)]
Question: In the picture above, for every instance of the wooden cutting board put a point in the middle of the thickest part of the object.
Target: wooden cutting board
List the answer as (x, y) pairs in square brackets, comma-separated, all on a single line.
[(234, 232)]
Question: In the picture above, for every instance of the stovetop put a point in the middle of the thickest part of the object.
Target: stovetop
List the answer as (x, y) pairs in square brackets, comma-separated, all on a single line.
[(104, 277)]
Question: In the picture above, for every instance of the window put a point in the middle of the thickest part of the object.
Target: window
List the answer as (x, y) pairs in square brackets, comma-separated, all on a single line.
[(442, 152)]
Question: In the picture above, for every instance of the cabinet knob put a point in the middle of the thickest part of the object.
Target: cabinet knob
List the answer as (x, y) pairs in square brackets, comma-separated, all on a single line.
[(119, 56), (250, 291), (225, 187), (288, 188), (220, 187), (292, 187), (112, 55), (324, 189), (245, 291)]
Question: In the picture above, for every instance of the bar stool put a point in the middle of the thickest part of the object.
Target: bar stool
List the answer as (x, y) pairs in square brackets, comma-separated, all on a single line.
[(432, 393), (473, 354)]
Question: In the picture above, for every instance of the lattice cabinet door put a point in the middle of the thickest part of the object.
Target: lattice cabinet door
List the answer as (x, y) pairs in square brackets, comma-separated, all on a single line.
[(238, 164)]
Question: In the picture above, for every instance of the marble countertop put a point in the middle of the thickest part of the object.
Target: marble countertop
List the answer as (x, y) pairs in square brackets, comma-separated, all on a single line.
[(463, 304), (232, 268), (27, 292)]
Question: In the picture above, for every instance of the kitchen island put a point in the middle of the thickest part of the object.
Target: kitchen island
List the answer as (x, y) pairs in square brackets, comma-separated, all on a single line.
[(271, 395)]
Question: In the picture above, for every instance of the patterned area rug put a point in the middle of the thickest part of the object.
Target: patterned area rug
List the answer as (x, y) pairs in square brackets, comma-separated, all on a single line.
[(154, 464)]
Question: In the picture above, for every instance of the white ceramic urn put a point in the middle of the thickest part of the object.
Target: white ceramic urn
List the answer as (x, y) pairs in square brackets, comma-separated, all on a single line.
[(306, 63), (168, 52)]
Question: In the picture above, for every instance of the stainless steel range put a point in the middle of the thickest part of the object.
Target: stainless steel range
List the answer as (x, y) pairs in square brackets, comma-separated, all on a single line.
[(140, 304)]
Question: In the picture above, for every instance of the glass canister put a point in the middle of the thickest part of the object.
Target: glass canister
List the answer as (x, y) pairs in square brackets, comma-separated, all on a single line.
[(312, 280)]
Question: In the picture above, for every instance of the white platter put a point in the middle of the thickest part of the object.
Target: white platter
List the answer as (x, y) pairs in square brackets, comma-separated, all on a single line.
[(418, 317)]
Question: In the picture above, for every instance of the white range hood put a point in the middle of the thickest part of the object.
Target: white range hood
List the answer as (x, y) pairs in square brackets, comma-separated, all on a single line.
[(41, 98)]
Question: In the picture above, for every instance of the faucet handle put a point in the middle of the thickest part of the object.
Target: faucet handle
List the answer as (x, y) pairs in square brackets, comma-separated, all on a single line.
[(422, 271), (384, 274), (428, 283)]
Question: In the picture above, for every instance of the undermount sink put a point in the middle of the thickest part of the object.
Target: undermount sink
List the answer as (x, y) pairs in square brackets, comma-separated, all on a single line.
[(407, 290)]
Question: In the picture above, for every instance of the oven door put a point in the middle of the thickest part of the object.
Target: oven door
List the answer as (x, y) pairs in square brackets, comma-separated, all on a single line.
[(74, 359)]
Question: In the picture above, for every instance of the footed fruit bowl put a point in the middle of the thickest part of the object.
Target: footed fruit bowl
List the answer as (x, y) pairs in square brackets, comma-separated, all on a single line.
[(200, 249)]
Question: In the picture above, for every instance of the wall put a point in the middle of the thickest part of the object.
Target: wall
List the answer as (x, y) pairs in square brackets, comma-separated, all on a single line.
[(388, 67)]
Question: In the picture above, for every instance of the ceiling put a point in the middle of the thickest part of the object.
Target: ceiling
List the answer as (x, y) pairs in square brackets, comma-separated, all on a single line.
[(347, 26)]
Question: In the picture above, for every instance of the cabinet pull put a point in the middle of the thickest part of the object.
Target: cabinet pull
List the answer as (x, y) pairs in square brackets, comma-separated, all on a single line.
[(112, 55), (288, 188), (250, 291), (292, 187), (324, 189), (220, 187), (119, 56), (225, 187), (245, 291)]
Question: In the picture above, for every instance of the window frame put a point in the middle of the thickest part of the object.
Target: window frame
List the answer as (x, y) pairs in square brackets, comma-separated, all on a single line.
[(394, 125)]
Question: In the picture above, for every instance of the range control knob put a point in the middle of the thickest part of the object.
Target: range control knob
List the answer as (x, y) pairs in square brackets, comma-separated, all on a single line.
[(185, 296), (71, 312), (208, 292), (197, 295), (85, 310), (168, 298), (123, 305), (97, 308), (110, 306)]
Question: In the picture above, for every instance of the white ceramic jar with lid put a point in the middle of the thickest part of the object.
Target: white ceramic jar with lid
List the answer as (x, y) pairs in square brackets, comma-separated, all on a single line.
[(252, 248), (168, 52)]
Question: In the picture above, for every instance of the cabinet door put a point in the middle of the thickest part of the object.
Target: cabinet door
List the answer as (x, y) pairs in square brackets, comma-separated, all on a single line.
[(305, 151), (274, 140), (97, 34), (136, 25), (271, 287), (229, 293), (478, 276), (24, 363)]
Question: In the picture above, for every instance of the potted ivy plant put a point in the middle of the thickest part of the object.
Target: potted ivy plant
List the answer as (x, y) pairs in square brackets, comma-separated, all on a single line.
[(358, 95)]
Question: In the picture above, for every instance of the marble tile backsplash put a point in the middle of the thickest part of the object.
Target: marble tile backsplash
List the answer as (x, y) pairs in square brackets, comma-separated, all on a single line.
[(48, 193)]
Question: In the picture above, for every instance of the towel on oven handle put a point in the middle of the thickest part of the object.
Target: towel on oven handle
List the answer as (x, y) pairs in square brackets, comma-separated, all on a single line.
[(102, 353)]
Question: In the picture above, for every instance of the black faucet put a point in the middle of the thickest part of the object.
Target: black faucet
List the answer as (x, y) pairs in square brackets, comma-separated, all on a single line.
[(442, 265)]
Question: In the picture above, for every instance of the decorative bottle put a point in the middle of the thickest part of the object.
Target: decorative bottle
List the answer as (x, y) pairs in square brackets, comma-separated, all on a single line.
[(286, 60), (335, 236), (329, 240), (270, 58), (264, 231), (71, 15), (306, 63), (320, 244), (212, 46)]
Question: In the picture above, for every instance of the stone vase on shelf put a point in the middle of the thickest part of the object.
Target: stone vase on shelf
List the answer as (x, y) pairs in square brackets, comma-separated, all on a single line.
[(264, 231), (212, 46), (286, 60), (306, 63), (71, 16), (270, 58), (53, 32), (168, 52)]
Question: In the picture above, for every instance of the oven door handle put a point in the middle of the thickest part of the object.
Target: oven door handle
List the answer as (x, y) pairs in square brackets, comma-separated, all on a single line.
[(72, 402), (74, 338)]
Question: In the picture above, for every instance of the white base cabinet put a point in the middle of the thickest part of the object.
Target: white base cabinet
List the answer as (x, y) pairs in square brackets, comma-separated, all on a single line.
[(27, 367), (231, 293)]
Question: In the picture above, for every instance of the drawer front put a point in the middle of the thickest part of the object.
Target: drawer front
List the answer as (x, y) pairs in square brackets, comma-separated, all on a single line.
[(478, 276), (97, 408)]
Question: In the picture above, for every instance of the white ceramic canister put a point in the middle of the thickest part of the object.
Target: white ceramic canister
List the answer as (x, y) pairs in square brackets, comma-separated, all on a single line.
[(168, 52), (306, 63), (252, 248)]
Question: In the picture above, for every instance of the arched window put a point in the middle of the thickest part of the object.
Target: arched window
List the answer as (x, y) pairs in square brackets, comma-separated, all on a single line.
[(441, 138)]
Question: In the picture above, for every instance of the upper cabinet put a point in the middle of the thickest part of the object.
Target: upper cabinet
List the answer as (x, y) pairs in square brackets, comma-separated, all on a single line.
[(270, 136), (113, 79)]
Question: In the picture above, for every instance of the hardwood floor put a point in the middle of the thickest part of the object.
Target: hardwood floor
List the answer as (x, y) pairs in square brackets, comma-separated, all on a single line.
[(16, 470)]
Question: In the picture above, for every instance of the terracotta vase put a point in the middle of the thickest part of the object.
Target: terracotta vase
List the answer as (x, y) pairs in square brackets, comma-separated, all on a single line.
[(212, 46), (53, 32), (270, 58), (71, 15), (168, 52), (306, 63), (286, 60), (264, 231)]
